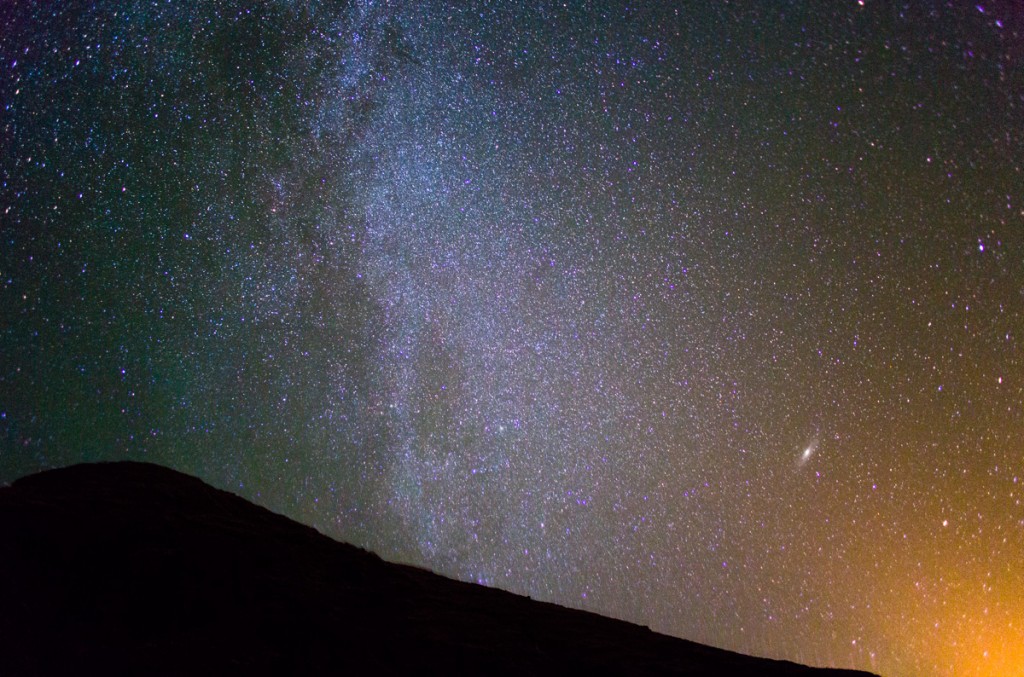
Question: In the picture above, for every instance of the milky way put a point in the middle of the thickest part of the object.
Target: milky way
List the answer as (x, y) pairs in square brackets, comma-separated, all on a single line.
[(706, 317)]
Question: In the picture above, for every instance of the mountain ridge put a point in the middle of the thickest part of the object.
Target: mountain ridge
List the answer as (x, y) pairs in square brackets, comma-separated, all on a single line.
[(136, 568)]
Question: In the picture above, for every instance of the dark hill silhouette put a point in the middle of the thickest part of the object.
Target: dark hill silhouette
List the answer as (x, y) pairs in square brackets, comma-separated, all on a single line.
[(134, 568)]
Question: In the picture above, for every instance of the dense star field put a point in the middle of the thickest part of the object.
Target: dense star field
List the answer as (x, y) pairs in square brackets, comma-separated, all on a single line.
[(702, 315)]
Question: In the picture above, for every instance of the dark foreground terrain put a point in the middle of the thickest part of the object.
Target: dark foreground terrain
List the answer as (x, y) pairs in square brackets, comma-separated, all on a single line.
[(134, 568)]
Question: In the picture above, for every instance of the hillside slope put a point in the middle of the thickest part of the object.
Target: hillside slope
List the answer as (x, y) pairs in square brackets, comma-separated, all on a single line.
[(134, 568)]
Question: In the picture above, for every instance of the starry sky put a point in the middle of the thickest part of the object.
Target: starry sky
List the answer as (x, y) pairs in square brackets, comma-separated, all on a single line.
[(703, 315)]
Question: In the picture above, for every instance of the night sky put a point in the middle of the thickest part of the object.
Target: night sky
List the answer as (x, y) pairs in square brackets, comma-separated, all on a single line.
[(708, 316)]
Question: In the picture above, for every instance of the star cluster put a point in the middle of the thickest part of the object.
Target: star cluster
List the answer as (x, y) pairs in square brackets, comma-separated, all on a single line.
[(706, 316)]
